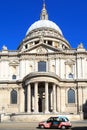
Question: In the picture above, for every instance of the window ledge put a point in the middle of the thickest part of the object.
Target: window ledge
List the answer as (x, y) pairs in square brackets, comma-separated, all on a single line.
[(71, 105)]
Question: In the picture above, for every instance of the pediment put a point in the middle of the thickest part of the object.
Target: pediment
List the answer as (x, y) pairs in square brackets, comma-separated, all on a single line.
[(41, 49), (14, 63), (70, 62)]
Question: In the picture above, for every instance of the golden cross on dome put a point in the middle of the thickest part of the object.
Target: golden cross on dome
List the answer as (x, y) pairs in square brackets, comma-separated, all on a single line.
[(43, 3)]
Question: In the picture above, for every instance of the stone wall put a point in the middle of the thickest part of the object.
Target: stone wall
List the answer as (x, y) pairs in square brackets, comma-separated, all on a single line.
[(41, 117)]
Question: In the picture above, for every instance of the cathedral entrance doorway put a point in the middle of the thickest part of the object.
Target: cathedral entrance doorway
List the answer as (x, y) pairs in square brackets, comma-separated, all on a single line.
[(41, 105)]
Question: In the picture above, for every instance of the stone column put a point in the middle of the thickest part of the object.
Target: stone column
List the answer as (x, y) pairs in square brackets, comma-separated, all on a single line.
[(21, 101), (51, 100), (80, 96), (54, 98), (32, 100), (59, 67), (46, 98), (65, 72), (36, 98), (58, 99), (29, 98)]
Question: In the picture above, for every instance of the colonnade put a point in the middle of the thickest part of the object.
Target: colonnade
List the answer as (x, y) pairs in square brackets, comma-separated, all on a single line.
[(52, 100)]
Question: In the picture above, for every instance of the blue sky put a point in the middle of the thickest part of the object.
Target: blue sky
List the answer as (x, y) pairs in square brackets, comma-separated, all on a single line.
[(16, 17)]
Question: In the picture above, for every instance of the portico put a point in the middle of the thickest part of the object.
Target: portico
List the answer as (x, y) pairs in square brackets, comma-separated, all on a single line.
[(41, 95)]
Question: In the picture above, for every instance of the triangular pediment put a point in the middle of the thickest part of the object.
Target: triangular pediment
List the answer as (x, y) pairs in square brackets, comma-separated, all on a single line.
[(13, 63), (41, 49), (70, 62)]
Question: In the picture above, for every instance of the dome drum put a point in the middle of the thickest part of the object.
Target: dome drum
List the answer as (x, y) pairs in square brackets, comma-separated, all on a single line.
[(34, 37), (43, 32)]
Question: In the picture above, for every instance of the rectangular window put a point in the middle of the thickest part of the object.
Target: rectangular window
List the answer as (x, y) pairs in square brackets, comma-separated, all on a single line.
[(50, 43), (42, 66)]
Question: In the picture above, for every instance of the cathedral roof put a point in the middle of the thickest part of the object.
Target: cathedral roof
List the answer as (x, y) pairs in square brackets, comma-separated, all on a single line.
[(44, 22)]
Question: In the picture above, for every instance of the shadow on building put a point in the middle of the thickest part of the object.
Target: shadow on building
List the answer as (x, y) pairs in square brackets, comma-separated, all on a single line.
[(85, 110)]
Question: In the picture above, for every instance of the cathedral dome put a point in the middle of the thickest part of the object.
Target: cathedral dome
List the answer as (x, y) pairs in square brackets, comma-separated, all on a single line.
[(44, 31), (44, 24)]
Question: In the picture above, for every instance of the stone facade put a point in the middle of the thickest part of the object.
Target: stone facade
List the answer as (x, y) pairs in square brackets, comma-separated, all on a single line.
[(44, 75)]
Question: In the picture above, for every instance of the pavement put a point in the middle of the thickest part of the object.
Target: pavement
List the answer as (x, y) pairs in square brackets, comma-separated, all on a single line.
[(34, 125)]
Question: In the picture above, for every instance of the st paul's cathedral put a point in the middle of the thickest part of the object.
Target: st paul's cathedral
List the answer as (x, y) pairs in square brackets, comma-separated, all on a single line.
[(45, 74)]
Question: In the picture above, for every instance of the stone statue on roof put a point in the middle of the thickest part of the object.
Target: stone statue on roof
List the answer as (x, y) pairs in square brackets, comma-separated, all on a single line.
[(4, 47)]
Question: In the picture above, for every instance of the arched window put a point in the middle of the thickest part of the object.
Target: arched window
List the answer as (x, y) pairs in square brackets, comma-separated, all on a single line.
[(42, 66), (70, 75), (13, 76), (13, 97), (71, 96)]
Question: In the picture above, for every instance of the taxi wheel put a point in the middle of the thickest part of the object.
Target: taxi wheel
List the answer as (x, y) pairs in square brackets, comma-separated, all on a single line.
[(42, 127), (63, 127)]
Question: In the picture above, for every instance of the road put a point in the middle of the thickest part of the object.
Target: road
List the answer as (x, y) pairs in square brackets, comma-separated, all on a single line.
[(78, 125)]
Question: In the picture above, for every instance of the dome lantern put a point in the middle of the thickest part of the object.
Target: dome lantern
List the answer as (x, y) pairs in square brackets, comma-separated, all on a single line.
[(44, 14)]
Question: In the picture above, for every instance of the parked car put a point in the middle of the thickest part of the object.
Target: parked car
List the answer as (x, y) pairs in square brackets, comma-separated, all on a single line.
[(60, 122)]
